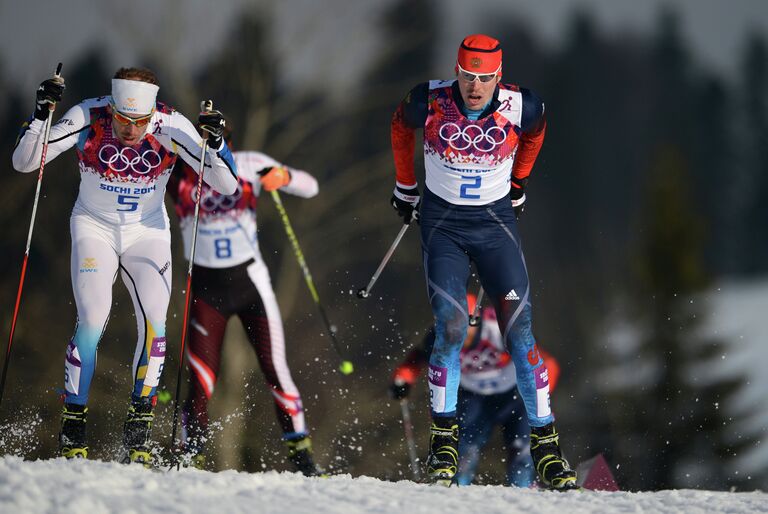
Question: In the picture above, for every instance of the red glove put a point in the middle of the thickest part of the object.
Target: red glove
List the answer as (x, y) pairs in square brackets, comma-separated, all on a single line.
[(402, 380)]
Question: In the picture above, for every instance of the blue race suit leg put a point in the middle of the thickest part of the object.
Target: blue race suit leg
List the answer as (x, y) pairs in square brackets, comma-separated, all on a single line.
[(498, 255), (446, 265)]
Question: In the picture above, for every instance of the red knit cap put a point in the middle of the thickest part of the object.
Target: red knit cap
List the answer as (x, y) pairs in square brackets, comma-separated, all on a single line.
[(479, 53)]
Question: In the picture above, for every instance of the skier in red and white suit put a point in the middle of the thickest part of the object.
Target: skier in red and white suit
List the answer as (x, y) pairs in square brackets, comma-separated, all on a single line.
[(127, 144), (231, 278)]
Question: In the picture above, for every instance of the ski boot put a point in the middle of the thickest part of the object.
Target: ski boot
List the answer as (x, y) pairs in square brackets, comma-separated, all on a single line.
[(443, 459), (136, 432), (72, 435), (197, 461), (300, 455), (553, 470)]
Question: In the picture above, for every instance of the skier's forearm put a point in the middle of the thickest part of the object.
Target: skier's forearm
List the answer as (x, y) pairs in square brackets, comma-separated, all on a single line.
[(29, 148), (302, 184), (63, 136), (223, 175), (403, 142)]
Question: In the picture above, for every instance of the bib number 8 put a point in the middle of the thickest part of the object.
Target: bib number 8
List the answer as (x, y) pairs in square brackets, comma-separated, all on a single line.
[(468, 185), (223, 247)]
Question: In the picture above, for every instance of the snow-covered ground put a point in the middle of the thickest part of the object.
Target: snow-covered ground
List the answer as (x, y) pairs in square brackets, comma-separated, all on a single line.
[(94, 487)]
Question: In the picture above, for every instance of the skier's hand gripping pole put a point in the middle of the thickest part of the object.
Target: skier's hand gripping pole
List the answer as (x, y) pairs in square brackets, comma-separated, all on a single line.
[(366, 291), (58, 81), (346, 366), (205, 106)]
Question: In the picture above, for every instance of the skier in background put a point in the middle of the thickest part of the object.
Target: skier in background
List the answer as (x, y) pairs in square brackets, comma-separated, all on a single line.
[(231, 278), (481, 139), (127, 144), (488, 397)]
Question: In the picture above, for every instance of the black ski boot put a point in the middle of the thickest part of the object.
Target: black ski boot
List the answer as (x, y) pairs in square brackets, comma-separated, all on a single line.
[(300, 455), (553, 470), (136, 432), (73, 434), (443, 459)]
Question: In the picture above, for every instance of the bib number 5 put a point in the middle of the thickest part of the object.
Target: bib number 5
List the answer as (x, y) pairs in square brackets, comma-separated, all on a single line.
[(130, 203)]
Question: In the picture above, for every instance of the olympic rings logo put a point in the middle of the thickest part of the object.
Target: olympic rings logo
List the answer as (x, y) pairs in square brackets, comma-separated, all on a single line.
[(213, 200), (472, 135), (120, 159)]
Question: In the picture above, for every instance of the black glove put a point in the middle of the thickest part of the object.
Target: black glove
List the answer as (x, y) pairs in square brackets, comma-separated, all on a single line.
[(49, 92), (399, 389), (517, 195), (212, 122), (406, 203)]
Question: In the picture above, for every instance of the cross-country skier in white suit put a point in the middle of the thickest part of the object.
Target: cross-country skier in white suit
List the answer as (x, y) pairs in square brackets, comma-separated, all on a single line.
[(126, 145)]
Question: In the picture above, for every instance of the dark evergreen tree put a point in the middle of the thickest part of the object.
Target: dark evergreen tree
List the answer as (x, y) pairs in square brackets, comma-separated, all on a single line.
[(753, 190)]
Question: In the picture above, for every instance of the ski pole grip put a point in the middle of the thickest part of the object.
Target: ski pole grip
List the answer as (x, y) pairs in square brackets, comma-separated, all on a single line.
[(57, 78), (206, 106)]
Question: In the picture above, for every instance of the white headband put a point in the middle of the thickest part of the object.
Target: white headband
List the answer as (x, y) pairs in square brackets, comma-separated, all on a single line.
[(134, 96)]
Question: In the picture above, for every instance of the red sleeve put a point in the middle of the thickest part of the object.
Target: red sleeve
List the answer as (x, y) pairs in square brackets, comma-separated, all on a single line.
[(527, 150), (403, 142)]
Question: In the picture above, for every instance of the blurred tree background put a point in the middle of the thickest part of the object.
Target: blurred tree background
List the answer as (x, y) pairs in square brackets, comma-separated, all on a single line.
[(651, 186)]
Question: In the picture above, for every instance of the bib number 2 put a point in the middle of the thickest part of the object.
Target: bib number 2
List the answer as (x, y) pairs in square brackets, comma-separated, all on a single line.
[(468, 186)]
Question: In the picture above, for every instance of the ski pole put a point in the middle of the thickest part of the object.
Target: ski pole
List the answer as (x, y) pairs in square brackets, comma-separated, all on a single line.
[(366, 291), (346, 366), (410, 439), (474, 318), (46, 138), (205, 106)]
